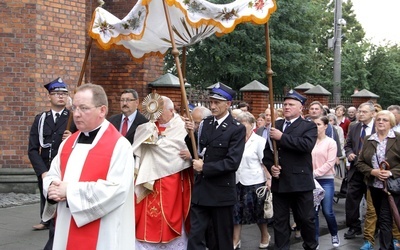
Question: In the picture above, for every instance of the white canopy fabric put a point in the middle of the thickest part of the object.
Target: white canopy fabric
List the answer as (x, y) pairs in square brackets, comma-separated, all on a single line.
[(144, 31)]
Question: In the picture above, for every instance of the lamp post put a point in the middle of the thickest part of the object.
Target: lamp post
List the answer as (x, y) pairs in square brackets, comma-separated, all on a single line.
[(337, 59)]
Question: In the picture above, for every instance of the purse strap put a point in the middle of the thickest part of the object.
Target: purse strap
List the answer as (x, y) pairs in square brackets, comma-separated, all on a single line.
[(261, 191)]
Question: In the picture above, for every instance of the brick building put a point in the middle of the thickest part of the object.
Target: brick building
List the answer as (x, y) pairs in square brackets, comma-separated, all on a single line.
[(43, 40)]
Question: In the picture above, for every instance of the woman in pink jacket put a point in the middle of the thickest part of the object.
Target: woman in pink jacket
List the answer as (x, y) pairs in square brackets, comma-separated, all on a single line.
[(323, 159)]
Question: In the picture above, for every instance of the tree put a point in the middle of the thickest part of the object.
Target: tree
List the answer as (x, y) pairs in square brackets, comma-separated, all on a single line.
[(239, 57), (384, 73), (299, 33)]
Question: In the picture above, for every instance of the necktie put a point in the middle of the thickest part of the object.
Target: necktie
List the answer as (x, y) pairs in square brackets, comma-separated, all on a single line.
[(215, 125), (57, 117), (287, 124), (124, 128), (362, 135)]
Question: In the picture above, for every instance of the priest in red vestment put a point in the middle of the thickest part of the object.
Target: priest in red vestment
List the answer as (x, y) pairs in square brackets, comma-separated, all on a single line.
[(163, 182)]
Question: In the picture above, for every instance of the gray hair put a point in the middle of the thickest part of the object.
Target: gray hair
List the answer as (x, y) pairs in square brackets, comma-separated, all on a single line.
[(330, 115), (168, 104), (203, 110), (394, 107), (246, 117), (370, 105)]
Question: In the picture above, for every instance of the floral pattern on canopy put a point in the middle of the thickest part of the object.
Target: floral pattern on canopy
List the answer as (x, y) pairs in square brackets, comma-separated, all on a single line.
[(144, 31)]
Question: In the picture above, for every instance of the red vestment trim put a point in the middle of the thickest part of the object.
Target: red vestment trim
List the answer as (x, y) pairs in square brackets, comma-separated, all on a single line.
[(160, 215), (96, 167)]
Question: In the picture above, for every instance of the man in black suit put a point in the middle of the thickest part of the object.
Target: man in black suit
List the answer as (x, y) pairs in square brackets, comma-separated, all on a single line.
[(356, 186), (221, 145), (292, 182), (47, 132), (127, 122)]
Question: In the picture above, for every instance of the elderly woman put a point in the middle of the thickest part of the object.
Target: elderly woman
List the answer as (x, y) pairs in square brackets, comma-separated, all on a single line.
[(380, 146), (251, 175)]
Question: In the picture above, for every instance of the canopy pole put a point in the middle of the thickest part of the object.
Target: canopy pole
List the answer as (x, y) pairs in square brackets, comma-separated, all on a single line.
[(175, 53), (183, 75), (83, 69), (269, 73)]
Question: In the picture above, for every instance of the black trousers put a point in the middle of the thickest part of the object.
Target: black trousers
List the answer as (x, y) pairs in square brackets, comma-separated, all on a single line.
[(385, 220), (222, 227), (356, 188), (42, 199), (302, 205), (49, 243)]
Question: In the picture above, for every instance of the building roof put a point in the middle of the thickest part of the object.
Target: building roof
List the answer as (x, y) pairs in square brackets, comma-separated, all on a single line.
[(304, 86), (167, 80), (255, 86), (213, 85), (365, 93), (318, 90)]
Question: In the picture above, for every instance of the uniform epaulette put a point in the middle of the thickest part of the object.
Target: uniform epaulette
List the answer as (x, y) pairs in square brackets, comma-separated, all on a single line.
[(41, 113), (235, 122), (209, 118)]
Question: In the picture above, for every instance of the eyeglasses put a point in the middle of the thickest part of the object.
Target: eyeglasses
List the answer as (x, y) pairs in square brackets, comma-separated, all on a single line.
[(62, 94), (82, 109), (127, 100), (382, 120)]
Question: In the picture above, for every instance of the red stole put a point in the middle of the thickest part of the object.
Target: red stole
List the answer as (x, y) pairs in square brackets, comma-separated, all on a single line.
[(159, 216), (96, 167)]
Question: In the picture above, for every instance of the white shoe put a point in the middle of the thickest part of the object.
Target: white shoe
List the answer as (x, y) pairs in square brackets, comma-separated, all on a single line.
[(265, 245), (335, 241), (238, 245)]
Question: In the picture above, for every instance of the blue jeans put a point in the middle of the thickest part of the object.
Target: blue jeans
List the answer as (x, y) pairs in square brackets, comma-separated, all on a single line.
[(327, 207)]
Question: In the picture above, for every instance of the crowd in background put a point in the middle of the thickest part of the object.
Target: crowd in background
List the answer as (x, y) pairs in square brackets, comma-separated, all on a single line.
[(194, 191)]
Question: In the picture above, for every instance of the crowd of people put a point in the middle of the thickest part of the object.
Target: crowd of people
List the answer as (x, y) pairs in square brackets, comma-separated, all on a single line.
[(127, 182)]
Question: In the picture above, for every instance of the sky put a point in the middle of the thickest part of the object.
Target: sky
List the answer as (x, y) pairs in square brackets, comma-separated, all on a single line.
[(379, 18)]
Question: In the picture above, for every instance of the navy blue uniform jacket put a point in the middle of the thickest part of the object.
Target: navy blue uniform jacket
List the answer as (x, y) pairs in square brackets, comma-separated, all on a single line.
[(294, 152), (215, 185)]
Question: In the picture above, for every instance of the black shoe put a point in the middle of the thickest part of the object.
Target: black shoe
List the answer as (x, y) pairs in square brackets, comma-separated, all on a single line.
[(351, 234)]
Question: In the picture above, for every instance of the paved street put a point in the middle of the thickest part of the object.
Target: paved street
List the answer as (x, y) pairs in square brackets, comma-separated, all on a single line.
[(16, 233)]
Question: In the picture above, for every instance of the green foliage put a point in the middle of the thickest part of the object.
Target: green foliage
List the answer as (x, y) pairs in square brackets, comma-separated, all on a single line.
[(384, 73), (299, 32)]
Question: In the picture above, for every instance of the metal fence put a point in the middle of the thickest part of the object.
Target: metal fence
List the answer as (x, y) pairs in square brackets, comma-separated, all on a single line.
[(199, 97)]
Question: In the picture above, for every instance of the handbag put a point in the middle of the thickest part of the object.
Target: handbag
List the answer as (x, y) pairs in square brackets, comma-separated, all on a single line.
[(343, 186), (268, 207), (392, 203), (319, 193), (393, 185)]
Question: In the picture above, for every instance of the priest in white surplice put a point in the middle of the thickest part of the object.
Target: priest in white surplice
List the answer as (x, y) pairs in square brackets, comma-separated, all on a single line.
[(89, 187)]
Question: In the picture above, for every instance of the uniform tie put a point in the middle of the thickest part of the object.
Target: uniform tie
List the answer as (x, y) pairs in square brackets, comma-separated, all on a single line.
[(57, 118), (287, 124), (124, 128)]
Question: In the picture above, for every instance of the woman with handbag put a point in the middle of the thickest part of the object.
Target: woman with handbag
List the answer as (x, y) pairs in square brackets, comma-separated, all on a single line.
[(323, 159), (382, 146), (251, 175)]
